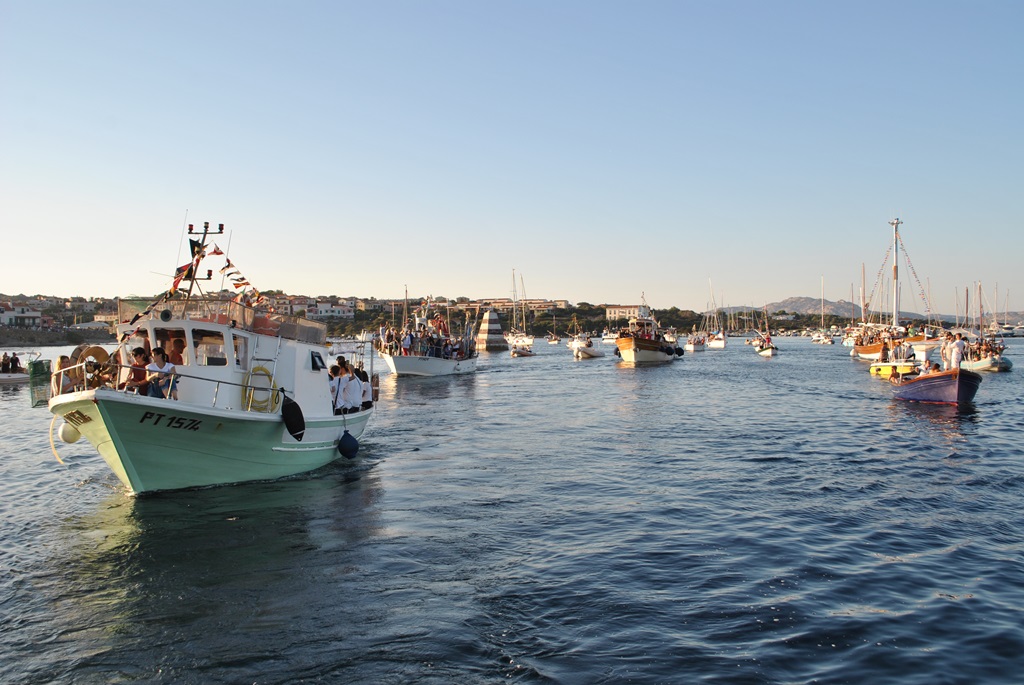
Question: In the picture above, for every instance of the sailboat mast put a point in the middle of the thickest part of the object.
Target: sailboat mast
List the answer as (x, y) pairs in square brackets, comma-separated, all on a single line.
[(895, 223)]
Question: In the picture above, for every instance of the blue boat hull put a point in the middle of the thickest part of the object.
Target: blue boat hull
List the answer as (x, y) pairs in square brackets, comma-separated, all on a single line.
[(957, 386)]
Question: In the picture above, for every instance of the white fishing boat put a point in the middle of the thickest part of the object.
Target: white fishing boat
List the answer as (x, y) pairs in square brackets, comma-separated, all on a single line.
[(252, 394), (642, 341), (426, 347)]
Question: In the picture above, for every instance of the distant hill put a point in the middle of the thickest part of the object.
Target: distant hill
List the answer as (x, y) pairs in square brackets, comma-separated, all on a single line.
[(846, 309)]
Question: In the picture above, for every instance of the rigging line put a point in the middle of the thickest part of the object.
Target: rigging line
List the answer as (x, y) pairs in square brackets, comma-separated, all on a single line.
[(184, 225), (924, 297), (878, 278)]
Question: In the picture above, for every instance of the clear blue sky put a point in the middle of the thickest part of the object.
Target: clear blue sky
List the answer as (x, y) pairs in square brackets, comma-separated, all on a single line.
[(601, 149)]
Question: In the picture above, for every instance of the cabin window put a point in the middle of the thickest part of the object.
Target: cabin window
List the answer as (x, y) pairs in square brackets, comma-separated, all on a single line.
[(241, 352), (209, 347), (166, 337), (316, 362)]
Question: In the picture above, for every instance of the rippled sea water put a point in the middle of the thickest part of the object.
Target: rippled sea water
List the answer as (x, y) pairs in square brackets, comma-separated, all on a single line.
[(723, 519)]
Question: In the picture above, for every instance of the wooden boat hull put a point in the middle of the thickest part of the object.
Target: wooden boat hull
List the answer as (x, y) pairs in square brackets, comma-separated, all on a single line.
[(956, 386), (427, 366), (644, 350), (769, 351)]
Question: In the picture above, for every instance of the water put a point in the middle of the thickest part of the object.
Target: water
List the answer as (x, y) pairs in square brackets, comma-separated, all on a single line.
[(724, 519)]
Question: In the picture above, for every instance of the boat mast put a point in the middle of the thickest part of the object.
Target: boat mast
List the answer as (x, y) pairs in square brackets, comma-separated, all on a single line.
[(895, 223)]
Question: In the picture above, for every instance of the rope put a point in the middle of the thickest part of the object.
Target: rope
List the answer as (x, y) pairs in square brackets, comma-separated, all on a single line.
[(53, 447), (924, 297)]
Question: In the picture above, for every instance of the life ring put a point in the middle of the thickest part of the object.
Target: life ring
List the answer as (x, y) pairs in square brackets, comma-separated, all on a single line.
[(250, 400)]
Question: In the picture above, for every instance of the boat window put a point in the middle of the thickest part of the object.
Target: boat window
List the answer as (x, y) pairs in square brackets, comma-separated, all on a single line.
[(317, 362), (209, 347), (165, 338), (241, 352)]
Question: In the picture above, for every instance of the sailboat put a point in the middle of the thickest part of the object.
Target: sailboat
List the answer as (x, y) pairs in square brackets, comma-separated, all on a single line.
[(822, 336), (872, 336), (763, 344), (716, 334), (517, 335), (984, 352), (553, 337)]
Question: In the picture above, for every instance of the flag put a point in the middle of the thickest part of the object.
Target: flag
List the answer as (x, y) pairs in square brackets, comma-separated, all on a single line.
[(197, 248), (183, 272), (215, 250)]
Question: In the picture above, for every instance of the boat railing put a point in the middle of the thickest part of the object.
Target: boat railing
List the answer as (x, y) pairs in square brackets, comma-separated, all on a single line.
[(91, 375), (228, 312)]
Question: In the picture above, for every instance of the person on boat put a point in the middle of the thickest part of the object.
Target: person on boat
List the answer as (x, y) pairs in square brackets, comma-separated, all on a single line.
[(62, 382), (160, 374), (336, 381), (944, 350), (956, 354), (137, 373), (352, 392), (15, 363), (367, 388), (5, 364), (176, 355)]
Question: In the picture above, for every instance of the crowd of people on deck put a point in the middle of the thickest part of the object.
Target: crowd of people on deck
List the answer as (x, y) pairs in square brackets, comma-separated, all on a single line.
[(351, 390), (424, 341)]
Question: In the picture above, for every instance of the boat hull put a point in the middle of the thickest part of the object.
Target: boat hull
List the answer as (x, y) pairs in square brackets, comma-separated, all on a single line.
[(584, 352), (153, 444), (994, 363), (957, 386), (644, 351), (13, 378), (427, 366)]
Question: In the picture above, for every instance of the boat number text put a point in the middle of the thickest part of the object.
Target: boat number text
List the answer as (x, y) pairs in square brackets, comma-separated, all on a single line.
[(171, 421)]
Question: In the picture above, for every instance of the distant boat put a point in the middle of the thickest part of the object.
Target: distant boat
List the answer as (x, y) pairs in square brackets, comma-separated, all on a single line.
[(517, 331), (522, 351), (716, 335), (14, 376), (642, 341), (956, 386), (763, 344), (581, 344), (432, 350)]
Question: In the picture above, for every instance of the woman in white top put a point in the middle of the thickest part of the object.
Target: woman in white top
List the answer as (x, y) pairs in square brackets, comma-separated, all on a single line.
[(160, 372)]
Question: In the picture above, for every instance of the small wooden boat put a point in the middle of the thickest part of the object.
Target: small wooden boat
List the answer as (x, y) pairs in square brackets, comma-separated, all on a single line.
[(956, 386), (522, 351)]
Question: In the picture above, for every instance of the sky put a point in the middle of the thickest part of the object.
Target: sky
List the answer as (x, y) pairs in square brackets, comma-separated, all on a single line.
[(603, 150)]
